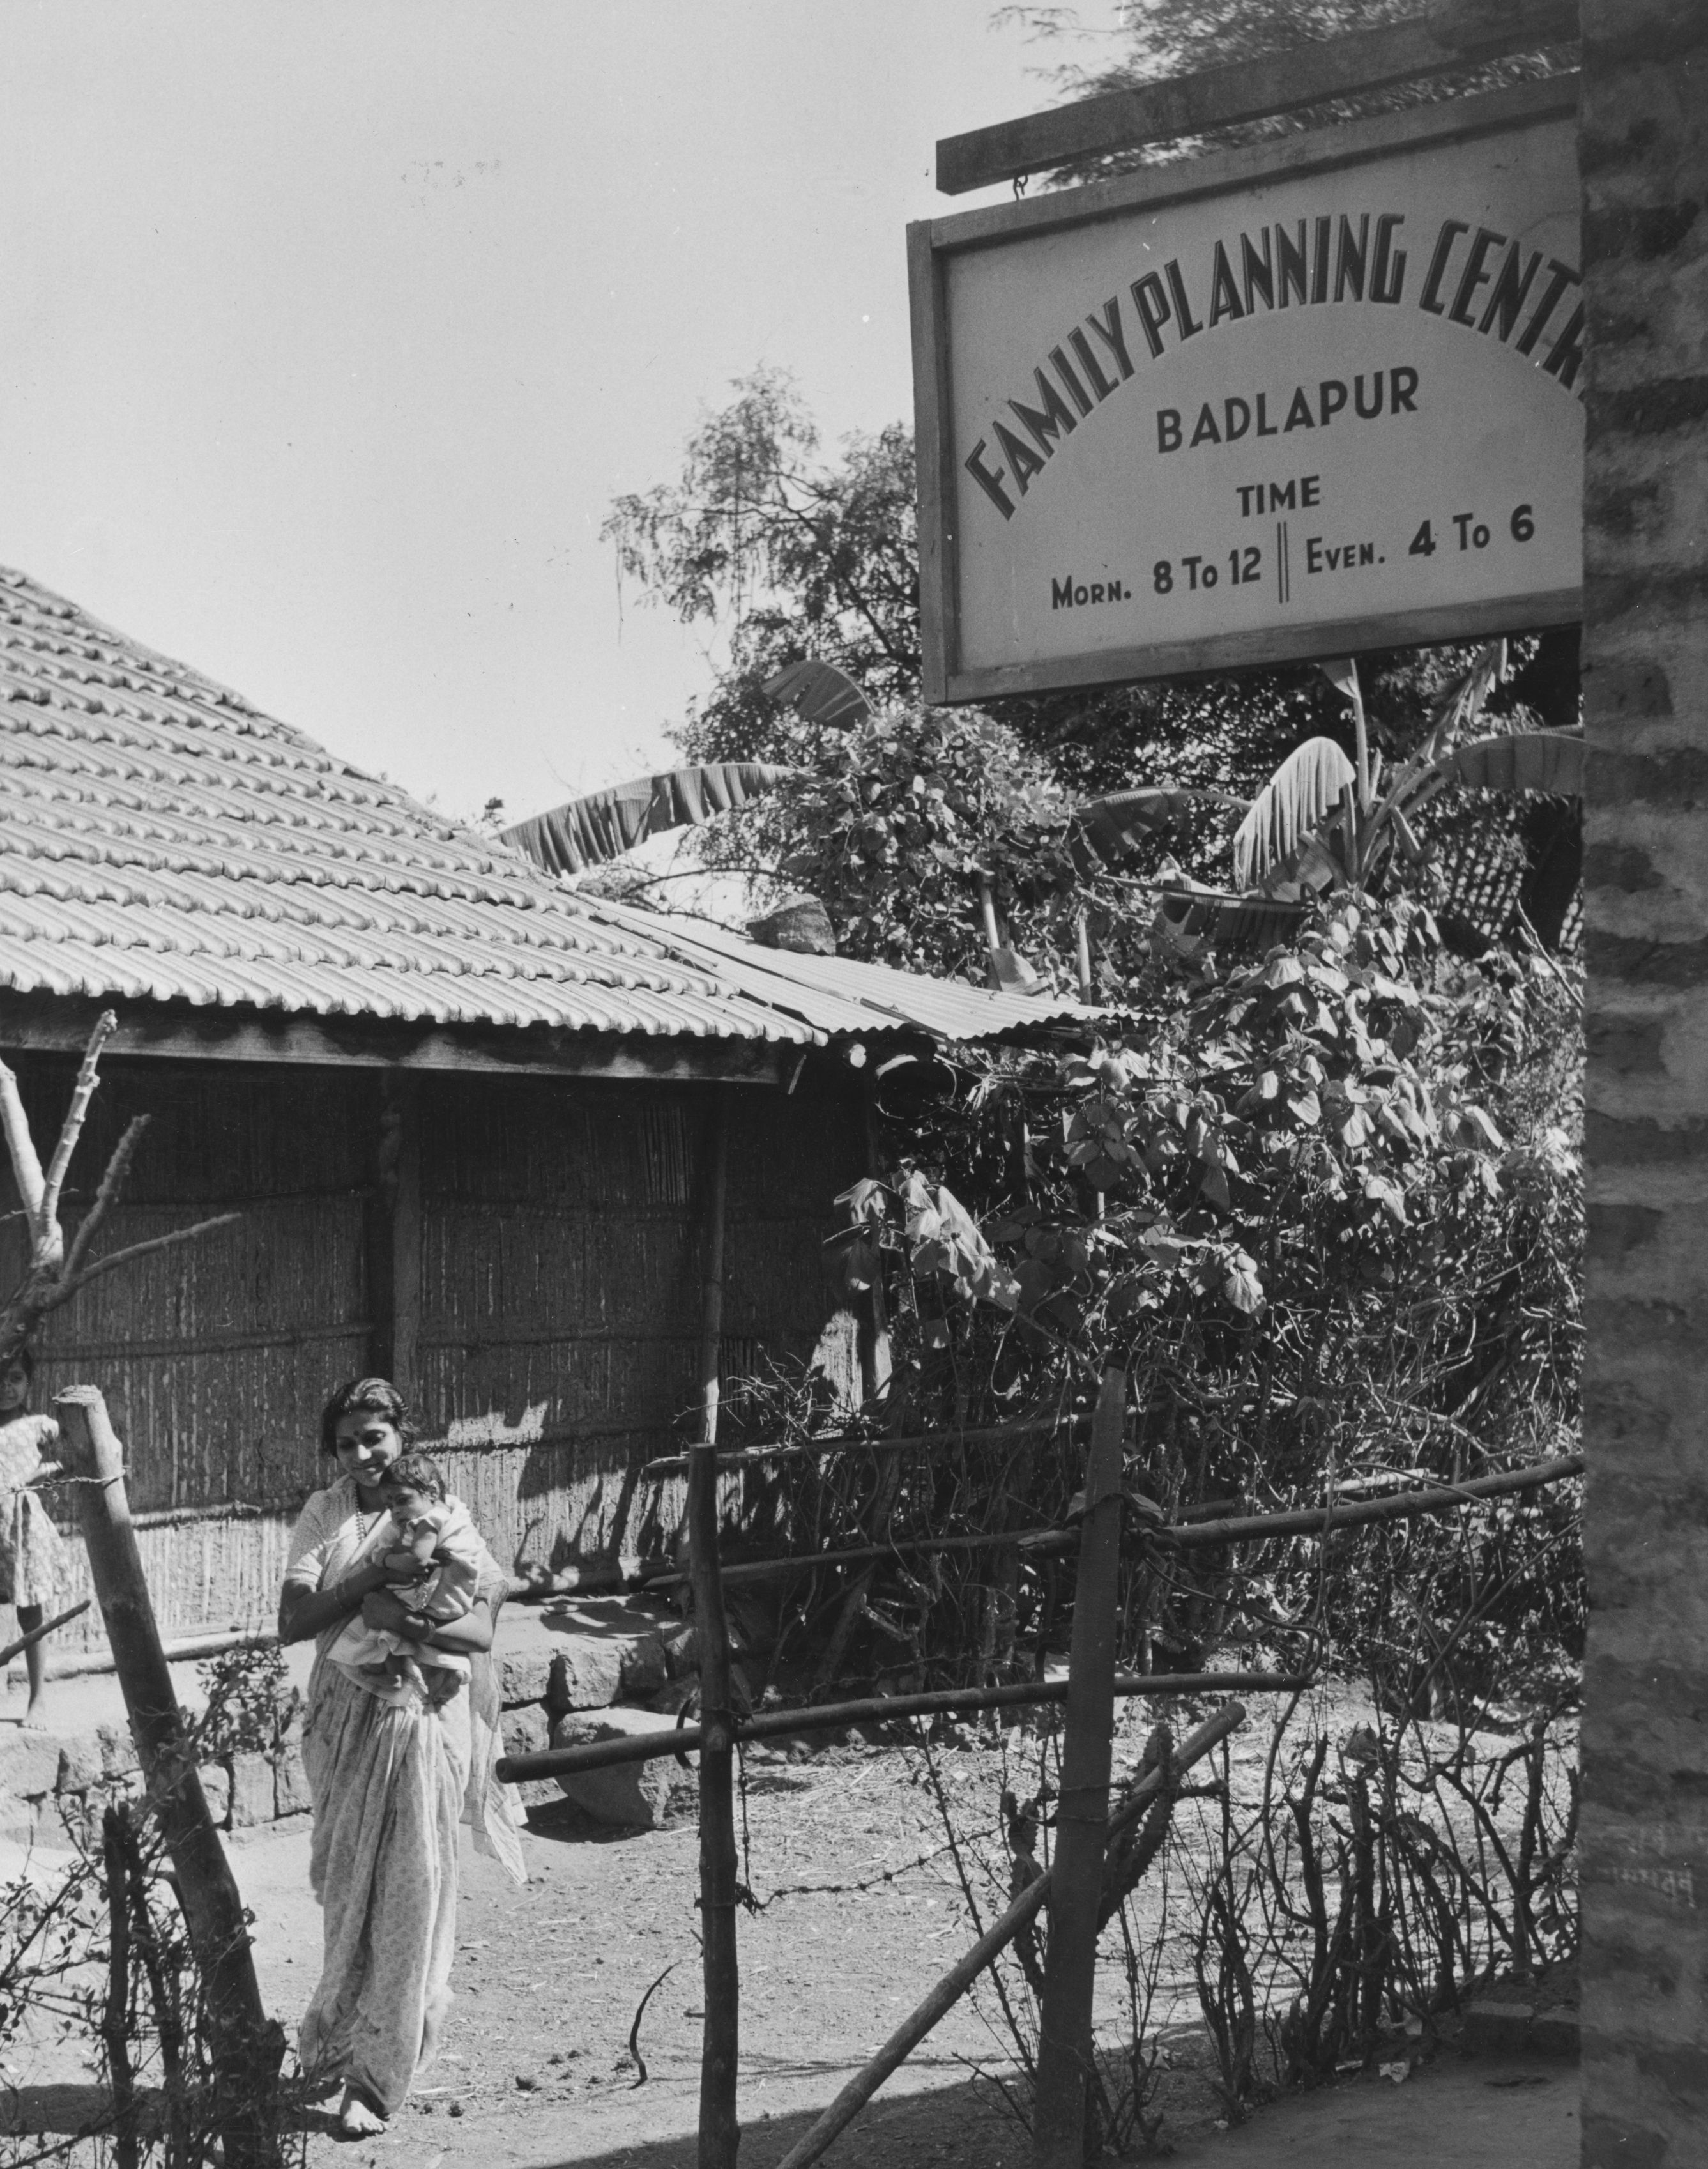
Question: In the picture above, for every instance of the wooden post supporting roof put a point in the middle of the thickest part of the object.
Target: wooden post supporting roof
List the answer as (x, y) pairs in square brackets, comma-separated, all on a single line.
[(1462, 35)]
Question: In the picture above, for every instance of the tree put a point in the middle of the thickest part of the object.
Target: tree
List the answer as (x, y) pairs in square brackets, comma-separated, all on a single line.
[(1150, 40), (898, 825), (795, 558)]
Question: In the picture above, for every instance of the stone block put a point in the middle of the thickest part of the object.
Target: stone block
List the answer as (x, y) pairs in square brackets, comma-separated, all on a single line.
[(525, 1731), (528, 1731), (634, 1795), (118, 1751), (29, 1763), (81, 1763), (525, 1675), (252, 1791), (216, 1786), (589, 1673), (290, 1794), (644, 1670), (1498, 2023)]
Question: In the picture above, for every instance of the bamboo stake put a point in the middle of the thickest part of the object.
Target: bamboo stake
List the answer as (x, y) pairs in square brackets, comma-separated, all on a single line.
[(834, 1716), (40, 1633), (1394, 1506), (1246, 1528), (800, 1449), (986, 1950), (719, 2133), (115, 2028), (856, 1554), (1065, 2016), (246, 2048)]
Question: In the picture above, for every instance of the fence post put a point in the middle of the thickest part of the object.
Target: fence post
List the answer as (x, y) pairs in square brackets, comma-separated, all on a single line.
[(720, 2133), (1065, 2046), (246, 2049)]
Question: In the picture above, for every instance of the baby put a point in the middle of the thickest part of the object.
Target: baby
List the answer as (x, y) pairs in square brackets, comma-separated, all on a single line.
[(437, 1558)]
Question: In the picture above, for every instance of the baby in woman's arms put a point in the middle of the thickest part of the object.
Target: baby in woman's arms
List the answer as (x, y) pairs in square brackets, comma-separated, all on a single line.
[(432, 1534)]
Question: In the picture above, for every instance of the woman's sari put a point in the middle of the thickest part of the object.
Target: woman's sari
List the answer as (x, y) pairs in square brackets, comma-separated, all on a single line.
[(390, 1784)]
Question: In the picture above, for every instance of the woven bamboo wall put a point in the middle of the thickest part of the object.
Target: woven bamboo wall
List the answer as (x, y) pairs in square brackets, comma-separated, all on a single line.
[(561, 1276), (562, 1273), (215, 1357)]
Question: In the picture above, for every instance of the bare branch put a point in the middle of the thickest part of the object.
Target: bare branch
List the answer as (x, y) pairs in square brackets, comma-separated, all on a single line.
[(70, 1287), (107, 1196), (26, 1167), (72, 1127)]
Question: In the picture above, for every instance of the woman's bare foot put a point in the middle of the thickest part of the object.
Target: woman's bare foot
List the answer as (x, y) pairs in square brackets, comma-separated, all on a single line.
[(357, 2118), (38, 1718)]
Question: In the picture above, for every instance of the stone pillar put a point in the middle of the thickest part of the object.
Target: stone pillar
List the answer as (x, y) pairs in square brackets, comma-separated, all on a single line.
[(1644, 151)]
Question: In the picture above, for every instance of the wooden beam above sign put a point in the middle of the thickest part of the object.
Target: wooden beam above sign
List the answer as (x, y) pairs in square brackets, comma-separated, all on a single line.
[(1444, 38)]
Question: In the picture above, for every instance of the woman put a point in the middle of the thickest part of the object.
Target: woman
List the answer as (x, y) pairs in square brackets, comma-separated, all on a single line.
[(389, 1780), (32, 1556)]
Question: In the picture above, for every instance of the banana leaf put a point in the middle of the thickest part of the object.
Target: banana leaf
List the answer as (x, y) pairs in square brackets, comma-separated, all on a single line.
[(1250, 923), (1466, 697), (1298, 797), (1111, 829), (819, 693), (1550, 761), (590, 831)]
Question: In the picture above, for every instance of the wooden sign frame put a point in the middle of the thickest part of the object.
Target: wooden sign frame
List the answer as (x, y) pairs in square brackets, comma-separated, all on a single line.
[(934, 245)]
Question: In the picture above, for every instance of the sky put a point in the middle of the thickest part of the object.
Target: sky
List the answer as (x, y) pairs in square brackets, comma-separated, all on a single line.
[(331, 328)]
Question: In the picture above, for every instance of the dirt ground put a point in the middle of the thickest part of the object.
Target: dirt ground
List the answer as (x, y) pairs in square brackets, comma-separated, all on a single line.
[(536, 2070), (537, 2073)]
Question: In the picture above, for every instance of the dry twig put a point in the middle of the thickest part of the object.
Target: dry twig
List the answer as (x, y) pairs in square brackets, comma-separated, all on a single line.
[(56, 1272)]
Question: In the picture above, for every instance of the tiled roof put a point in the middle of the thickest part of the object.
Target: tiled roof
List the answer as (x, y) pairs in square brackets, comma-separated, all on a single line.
[(847, 997), (162, 841)]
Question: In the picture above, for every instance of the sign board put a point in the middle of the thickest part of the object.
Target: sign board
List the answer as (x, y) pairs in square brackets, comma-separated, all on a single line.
[(1319, 395)]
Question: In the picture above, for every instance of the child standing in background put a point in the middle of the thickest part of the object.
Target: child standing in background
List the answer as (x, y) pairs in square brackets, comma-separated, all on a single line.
[(32, 1554)]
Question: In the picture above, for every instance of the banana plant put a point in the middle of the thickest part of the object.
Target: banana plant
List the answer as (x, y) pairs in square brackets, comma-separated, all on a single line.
[(1324, 822)]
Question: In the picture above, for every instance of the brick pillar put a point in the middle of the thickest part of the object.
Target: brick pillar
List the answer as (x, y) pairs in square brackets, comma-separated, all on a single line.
[(1644, 147)]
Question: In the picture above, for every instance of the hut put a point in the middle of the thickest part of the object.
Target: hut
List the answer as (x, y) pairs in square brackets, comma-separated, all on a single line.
[(461, 1111)]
